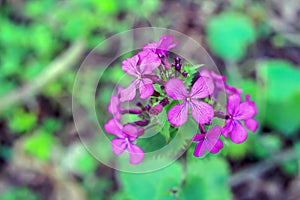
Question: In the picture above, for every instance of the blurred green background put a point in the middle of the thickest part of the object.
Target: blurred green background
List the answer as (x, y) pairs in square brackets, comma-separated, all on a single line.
[(42, 44)]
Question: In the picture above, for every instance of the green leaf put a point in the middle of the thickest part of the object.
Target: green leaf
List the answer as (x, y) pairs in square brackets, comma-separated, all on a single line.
[(157, 185), (157, 88), (204, 177), (22, 121), (181, 138), (153, 143), (284, 116), (51, 125), (282, 91), (165, 131), (229, 34), (19, 193), (297, 150), (39, 145), (266, 145), (237, 151), (36, 9), (276, 72), (291, 167), (6, 86), (105, 7), (192, 71)]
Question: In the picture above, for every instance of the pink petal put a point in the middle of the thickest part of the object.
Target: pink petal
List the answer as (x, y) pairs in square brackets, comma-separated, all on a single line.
[(203, 87), (238, 133), (130, 65), (113, 126), (150, 46), (200, 149), (205, 73), (246, 111), (149, 63), (233, 104), (227, 128), (218, 146), (120, 88), (217, 76), (212, 137), (251, 124), (136, 154), (118, 146), (113, 104), (198, 137), (178, 114), (202, 112), (232, 90), (166, 43), (252, 103), (176, 89), (129, 93), (146, 88), (219, 80), (114, 107), (130, 131)]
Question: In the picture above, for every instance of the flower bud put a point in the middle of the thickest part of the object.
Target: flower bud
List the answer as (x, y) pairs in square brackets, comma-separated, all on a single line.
[(155, 110)]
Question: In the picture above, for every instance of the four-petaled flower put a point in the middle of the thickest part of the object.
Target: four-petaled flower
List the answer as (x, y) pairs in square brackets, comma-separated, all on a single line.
[(237, 112), (219, 82), (162, 46), (124, 141), (209, 141), (140, 66), (205, 87), (202, 112)]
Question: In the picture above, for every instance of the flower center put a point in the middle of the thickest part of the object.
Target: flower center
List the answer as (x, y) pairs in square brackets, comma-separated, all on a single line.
[(127, 140), (228, 117), (188, 98)]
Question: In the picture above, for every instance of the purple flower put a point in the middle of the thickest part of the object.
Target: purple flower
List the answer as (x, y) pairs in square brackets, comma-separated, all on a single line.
[(124, 141), (238, 112), (140, 66), (114, 107), (155, 110), (209, 141), (162, 46), (201, 111), (219, 82)]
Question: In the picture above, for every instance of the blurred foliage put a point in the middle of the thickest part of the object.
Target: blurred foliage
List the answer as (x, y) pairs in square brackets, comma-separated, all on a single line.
[(229, 34), (21, 121), (39, 145), (204, 177), (79, 161), (282, 108), (198, 178), (19, 193), (158, 185)]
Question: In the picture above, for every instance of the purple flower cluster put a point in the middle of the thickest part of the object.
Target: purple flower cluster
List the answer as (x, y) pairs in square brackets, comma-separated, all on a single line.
[(162, 85)]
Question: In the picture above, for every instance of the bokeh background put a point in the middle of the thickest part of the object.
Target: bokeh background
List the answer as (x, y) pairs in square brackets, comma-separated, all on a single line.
[(42, 44)]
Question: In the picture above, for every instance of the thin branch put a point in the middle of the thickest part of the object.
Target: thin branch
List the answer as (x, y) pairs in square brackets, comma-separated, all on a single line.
[(62, 63), (256, 170)]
